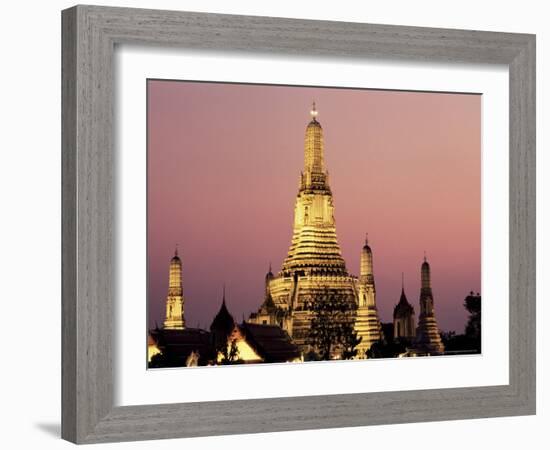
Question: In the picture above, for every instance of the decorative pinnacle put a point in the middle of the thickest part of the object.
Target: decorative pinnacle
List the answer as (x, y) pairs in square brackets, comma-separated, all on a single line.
[(366, 238), (425, 256), (176, 251), (270, 266), (314, 111), (223, 298), (402, 281)]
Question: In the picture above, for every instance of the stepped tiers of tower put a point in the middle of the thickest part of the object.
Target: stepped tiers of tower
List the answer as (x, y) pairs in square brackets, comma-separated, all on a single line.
[(175, 301), (367, 322), (314, 263), (428, 338)]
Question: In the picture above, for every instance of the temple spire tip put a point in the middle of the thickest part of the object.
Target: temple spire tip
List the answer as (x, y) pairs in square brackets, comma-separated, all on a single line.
[(314, 111)]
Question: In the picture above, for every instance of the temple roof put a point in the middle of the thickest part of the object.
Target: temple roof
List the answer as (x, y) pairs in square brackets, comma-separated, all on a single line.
[(223, 321), (403, 308), (176, 345), (271, 342)]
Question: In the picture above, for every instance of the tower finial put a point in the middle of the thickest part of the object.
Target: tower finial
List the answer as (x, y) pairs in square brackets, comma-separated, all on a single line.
[(176, 250), (223, 298), (403, 281), (269, 266), (314, 111), (425, 256), (366, 238)]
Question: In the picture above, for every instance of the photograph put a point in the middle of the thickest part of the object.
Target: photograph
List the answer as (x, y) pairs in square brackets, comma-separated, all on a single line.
[(299, 224)]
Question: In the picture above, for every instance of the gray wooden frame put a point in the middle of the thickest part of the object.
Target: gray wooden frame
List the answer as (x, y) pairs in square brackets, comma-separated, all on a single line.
[(89, 36)]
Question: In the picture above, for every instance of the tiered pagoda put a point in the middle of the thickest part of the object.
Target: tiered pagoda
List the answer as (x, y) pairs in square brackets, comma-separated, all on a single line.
[(175, 319), (428, 338), (367, 323), (314, 263)]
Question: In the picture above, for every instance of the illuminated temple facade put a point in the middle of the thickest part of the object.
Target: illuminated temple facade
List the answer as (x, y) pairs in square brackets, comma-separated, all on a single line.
[(314, 263), (175, 319)]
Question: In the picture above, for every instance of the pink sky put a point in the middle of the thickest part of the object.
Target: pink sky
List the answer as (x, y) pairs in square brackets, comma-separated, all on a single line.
[(223, 167)]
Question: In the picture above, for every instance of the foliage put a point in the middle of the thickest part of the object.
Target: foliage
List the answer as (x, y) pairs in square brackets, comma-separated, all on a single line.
[(471, 339), (158, 360), (387, 349), (472, 303), (332, 324), (166, 360), (351, 341), (230, 355), (311, 355)]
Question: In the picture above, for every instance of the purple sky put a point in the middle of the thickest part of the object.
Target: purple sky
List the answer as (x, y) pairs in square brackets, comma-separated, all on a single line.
[(223, 167)]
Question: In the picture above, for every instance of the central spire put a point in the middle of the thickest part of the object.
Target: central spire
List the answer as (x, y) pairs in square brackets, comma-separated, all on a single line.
[(314, 176), (314, 244)]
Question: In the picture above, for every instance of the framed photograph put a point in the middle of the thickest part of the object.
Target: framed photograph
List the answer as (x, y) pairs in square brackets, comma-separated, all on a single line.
[(318, 224)]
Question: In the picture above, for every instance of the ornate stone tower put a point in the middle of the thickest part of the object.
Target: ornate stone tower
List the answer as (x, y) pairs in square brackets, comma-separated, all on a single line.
[(367, 323), (174, 300), (403, 318), (428, 339), (314, 262), (314, 248)]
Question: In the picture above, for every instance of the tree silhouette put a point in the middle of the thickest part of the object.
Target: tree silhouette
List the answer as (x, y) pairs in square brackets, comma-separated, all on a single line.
[(385, 349), (332, 324), (230, 354), (472, 303), (471, 339)]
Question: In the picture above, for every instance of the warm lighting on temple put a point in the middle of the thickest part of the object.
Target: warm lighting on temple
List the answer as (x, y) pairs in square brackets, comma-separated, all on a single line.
[(314, 262), (174, 300)]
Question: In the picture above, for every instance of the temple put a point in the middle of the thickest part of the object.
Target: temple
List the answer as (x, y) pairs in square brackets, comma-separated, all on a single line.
[(428, 338), (367, 323), (286, 327), (403, 318), (314, 263), (175, 319)]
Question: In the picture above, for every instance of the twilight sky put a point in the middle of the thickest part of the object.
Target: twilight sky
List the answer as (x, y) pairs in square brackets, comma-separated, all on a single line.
[(223, 167)]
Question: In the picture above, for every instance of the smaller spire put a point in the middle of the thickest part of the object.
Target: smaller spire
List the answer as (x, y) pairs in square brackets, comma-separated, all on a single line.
[(223, 295), (425, 259), (366, 238), (176, 250), (403, 281), (269, 266), (314, 111)]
